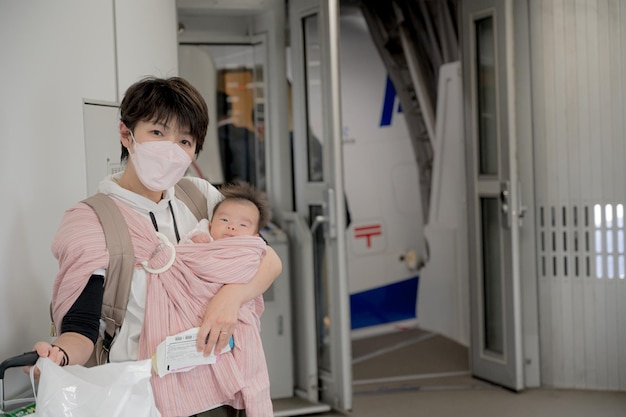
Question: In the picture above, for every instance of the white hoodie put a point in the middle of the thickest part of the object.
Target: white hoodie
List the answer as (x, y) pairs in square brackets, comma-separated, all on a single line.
[(126, 344)]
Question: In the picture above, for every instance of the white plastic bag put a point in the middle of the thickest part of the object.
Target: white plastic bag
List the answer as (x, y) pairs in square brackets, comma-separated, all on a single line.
[(110, 390)]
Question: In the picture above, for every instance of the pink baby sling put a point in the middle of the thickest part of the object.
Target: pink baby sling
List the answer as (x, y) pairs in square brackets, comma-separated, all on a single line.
[(176, 301)]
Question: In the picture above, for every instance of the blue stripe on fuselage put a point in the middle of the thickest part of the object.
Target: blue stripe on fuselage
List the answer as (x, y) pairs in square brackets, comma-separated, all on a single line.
[(388, 304)]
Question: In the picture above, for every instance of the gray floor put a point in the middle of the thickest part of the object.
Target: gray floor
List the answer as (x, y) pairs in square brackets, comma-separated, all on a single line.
[(416, 373)]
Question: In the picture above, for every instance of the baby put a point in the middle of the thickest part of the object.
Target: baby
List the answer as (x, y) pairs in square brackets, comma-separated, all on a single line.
[(244, 211)]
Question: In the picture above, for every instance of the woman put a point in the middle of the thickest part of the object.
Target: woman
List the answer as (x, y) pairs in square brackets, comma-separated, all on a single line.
[(163, 126)]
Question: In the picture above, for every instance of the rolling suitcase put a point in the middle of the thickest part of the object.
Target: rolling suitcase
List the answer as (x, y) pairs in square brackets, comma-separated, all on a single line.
[(22, 406)]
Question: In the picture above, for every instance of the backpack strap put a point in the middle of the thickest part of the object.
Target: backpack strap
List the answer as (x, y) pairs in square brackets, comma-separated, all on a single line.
[(187, 192), (121, 261)]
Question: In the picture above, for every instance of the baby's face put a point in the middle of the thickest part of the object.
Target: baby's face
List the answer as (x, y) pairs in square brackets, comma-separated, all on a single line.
[(234, 218)]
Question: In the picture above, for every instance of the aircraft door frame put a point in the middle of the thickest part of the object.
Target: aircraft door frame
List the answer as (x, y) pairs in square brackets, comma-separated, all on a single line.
[(223, 36), (318, 185), (493, 187)]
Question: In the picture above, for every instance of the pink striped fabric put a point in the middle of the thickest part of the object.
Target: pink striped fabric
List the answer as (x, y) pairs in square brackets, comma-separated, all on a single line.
[(176, 301)]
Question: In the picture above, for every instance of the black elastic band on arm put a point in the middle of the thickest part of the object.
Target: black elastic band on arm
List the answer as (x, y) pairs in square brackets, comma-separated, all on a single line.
[(84, 315)]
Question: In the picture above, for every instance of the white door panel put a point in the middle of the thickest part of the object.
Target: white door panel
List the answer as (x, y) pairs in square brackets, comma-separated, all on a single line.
[(492, 192), (319, 190)]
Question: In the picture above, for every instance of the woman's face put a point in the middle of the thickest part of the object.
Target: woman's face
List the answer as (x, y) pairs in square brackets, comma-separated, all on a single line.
[(152, 131)]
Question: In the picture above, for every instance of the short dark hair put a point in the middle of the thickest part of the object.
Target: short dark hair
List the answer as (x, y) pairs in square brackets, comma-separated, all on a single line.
[(240, 190), (161, 99)]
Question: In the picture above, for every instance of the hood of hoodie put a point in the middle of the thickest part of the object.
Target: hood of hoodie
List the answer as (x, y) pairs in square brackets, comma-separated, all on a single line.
[(139, 203)]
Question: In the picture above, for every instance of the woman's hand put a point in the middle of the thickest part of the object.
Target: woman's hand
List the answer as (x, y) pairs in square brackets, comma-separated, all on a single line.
[(222, 312), (220, 319), (46, 350), (68, 349)]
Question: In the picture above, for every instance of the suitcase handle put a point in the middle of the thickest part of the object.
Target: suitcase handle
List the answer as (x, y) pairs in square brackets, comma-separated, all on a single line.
[(25, 359)]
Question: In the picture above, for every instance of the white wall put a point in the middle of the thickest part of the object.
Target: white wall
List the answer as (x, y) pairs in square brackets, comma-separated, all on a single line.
[(147, 41), (54, 55), (578, 60)]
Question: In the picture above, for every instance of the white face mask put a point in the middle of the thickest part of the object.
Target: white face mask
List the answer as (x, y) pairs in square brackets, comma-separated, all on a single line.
[(159, 164)]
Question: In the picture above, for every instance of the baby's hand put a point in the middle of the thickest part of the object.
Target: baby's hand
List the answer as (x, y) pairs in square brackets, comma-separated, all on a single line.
[(201, 238)]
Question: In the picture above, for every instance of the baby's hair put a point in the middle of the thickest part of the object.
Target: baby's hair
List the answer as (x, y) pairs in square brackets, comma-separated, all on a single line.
[(244, 191)]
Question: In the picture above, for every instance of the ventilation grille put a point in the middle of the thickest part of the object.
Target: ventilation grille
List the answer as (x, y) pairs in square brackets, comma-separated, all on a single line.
[(582, 241)]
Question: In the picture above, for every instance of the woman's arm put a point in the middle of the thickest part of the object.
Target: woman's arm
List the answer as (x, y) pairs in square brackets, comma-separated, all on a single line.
[(222, 312), (68, 349), (79, 328)]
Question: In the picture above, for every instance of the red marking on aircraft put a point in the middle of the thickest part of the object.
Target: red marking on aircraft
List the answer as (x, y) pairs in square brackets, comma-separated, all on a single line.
[(368, 232)]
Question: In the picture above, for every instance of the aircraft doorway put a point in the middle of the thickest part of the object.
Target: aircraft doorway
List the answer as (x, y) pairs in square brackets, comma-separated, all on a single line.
[(235, 55), (238, 107)]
